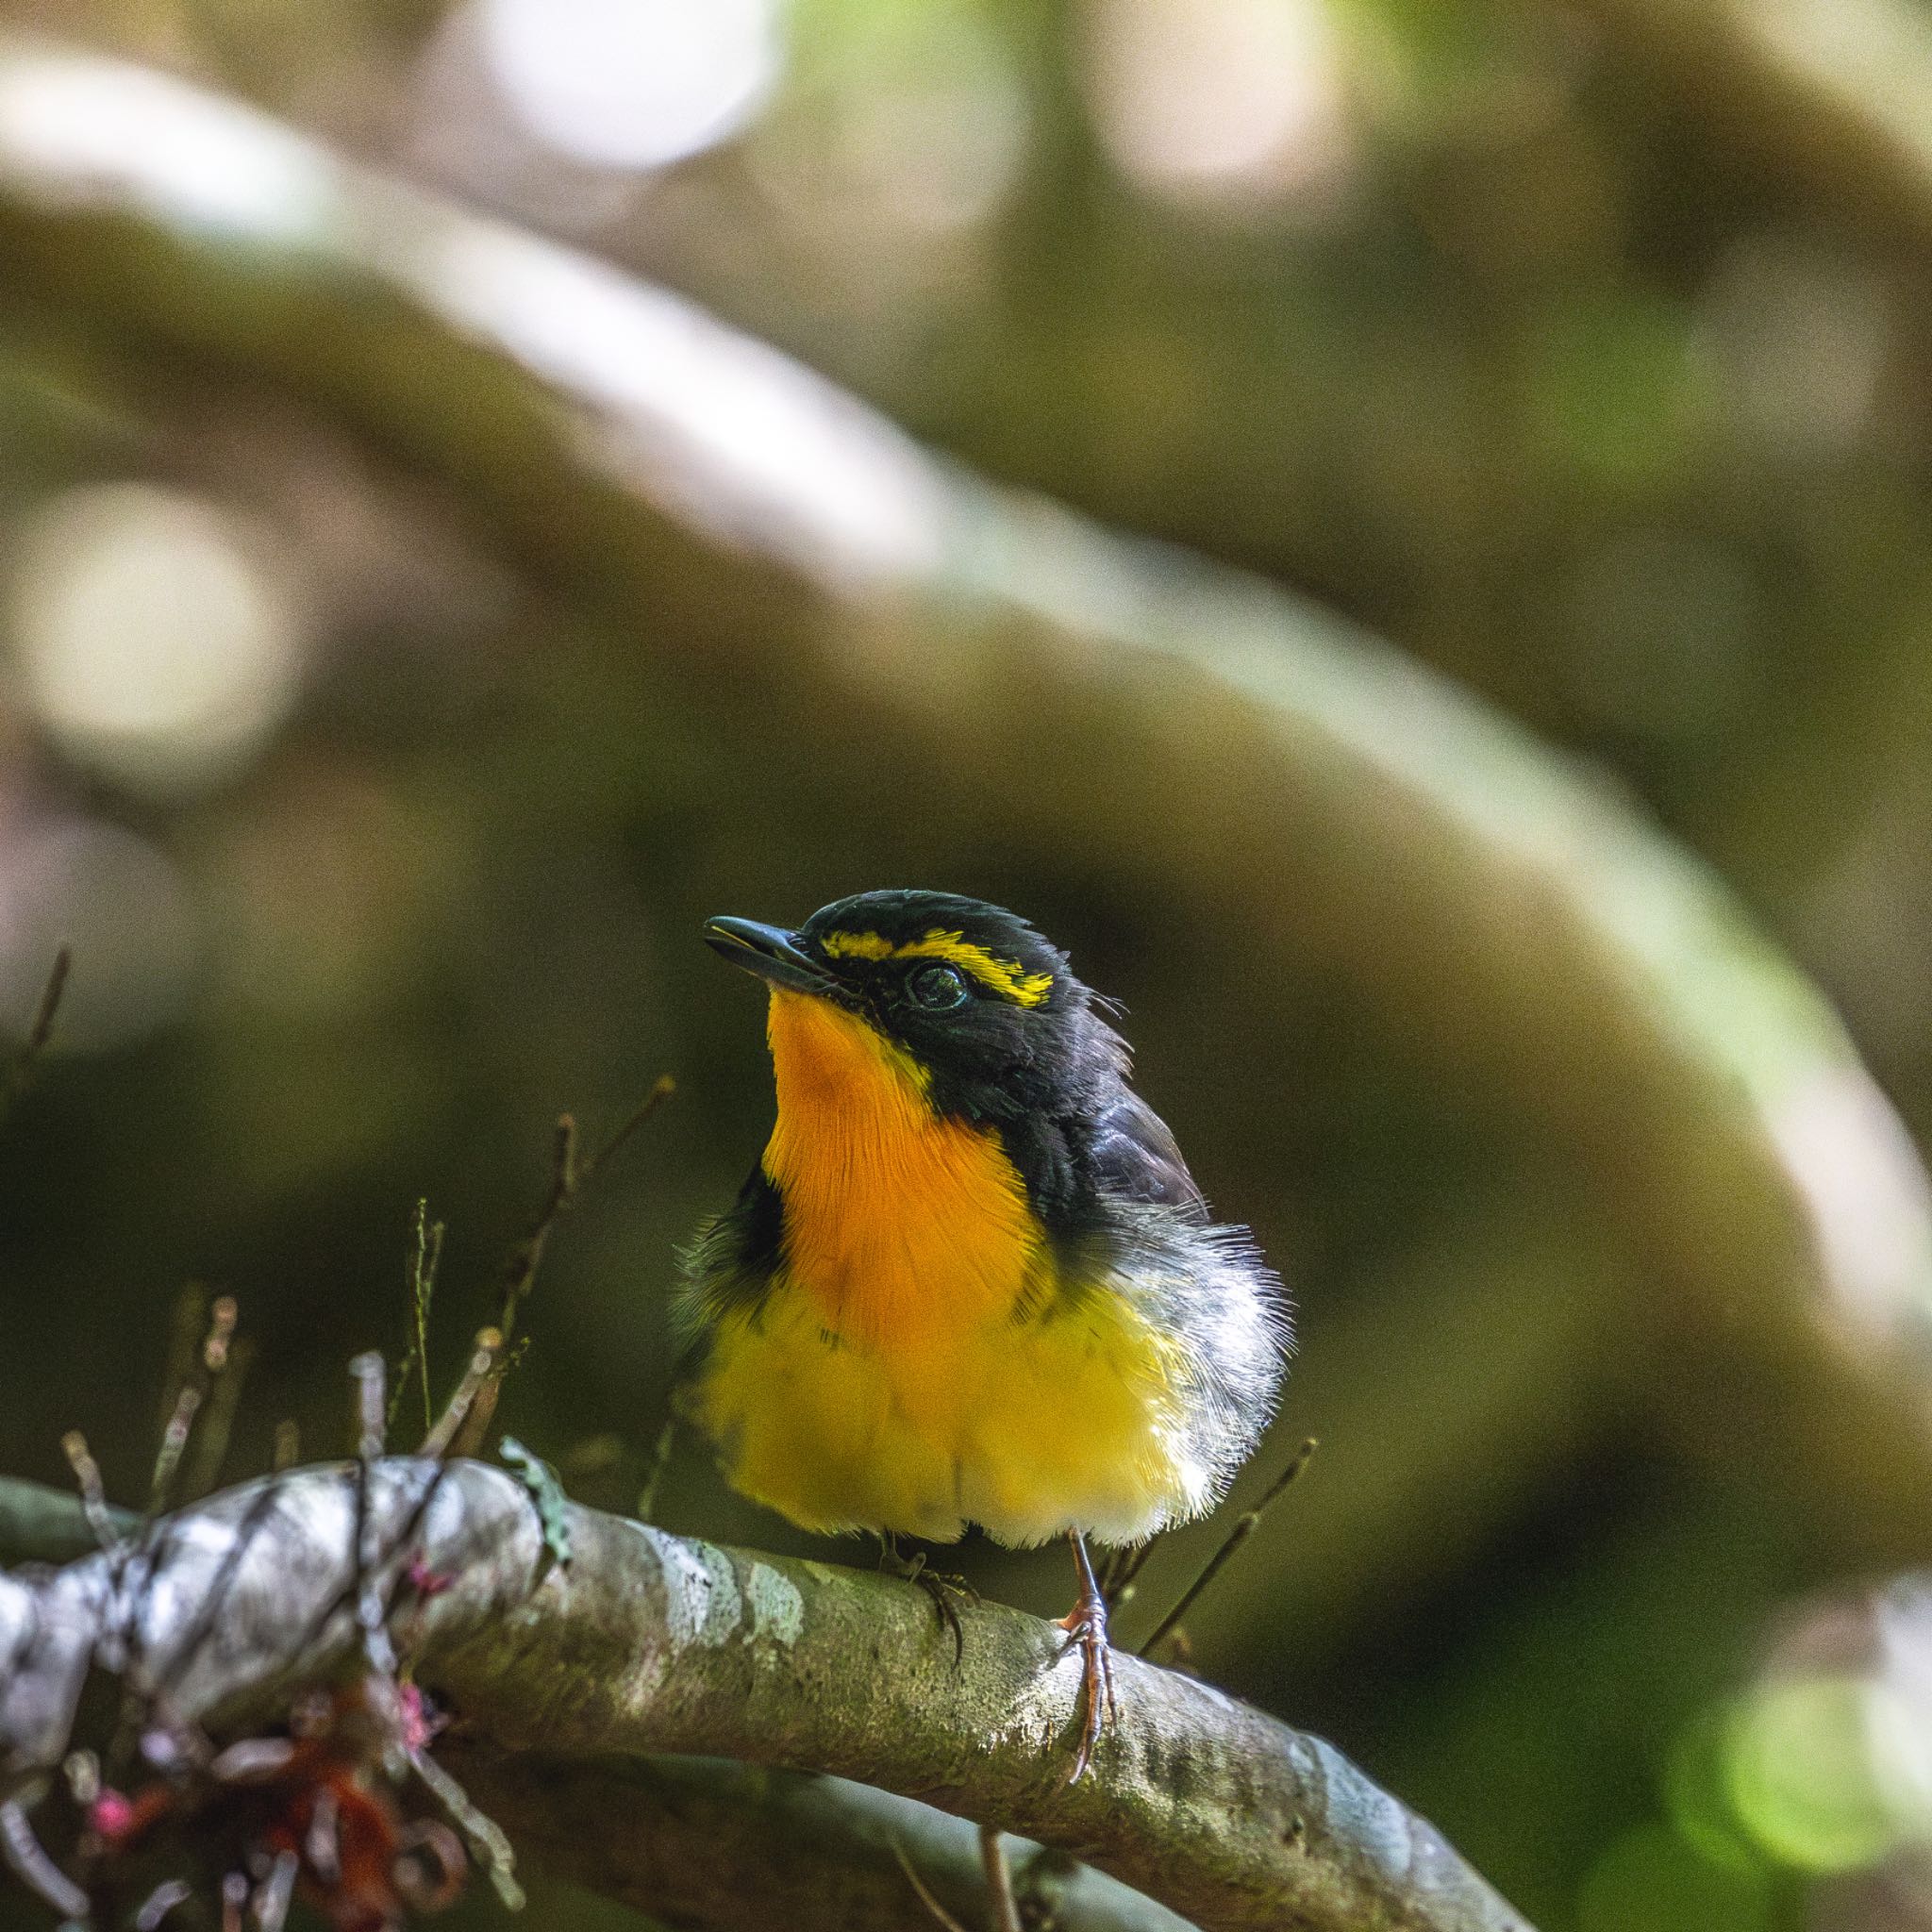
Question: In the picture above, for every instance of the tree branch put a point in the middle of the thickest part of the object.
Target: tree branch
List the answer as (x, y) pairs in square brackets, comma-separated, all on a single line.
[(39, 1525), (650, 1643), (1831, 98), (706, 1843)]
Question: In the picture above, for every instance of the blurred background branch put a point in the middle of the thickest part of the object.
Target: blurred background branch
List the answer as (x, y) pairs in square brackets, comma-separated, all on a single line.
[(1829, 98)]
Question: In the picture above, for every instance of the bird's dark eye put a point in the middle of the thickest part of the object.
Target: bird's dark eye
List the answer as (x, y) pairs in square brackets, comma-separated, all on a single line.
[(937, 988)]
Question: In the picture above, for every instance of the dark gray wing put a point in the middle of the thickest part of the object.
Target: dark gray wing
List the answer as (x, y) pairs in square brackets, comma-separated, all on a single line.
[(1135, 1156)]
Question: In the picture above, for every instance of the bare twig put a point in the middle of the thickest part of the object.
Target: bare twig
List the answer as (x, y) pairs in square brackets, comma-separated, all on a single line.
[(520, 1269), (224, 1363), (426, 1254), (40, 1030), (466, 1422), (210, 1446), (1244, 1526), (470, 1437), (487, 1841), (654, 1474), (173, 1445), (367, 1373), (1122, 1567), (162, 1900), (186, 1334), (94, 1500), (475, 1383), (28, 1861), (941, 1917), (193, 1374), (568, 1177), (1004, 1907), (275, 1893)]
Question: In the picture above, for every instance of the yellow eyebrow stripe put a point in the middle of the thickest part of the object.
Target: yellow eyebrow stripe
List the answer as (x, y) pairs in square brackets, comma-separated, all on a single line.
[(1003, 976), (857, 945)]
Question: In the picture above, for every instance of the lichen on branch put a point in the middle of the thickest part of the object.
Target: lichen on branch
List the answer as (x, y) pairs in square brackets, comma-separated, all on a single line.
[(648, 1643)]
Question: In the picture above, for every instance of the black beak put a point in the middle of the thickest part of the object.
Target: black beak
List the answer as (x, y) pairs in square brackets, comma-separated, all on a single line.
[(770, 953)]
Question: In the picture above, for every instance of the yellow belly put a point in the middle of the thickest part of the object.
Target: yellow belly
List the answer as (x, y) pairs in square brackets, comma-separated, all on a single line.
[(1028, 1428), (915, 1365)]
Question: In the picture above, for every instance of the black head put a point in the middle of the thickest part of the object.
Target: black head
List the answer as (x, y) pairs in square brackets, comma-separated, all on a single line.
[(980, 999)]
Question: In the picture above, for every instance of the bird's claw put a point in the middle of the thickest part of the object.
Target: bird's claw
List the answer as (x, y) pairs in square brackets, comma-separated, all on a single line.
[(947, 1589), (1085, 1624)]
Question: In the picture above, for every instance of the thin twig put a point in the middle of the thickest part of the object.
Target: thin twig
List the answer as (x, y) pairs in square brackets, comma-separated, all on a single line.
[(489, 1844), (939, 1913), (273, 1898), (40, 1030), (476, 1378), (999, 1881), (288, 1449), (94, 1500), (654, 1476), (663, 1088), (225, 1361), (1245, 1525), (425, 1255), (162, 1900), (155, 1537), (469, 1439), (568, 1177), (31, 1865), (520, 1269), (218, 1422), (173, 1445), (186, 1334), (1122, 1567), (367, 1372), (192, 1378)]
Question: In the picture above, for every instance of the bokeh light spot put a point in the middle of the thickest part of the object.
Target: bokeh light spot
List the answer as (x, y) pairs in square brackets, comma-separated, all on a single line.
[(631, 83), (1801, 1774), (1226, 101), (153, 646)]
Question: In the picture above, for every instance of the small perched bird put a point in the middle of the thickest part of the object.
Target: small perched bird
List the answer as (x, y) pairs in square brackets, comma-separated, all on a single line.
[(971, 1279)]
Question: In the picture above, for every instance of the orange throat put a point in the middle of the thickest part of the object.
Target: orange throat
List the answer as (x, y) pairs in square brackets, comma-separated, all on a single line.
[(909, 1232)]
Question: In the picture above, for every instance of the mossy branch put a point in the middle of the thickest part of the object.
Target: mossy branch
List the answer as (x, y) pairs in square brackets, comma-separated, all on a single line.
[(648, 1643)]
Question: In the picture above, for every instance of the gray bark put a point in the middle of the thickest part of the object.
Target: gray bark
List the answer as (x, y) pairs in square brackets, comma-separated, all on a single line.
[(648, 1643)]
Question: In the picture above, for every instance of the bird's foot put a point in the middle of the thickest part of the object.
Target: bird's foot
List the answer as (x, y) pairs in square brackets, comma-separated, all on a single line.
[(947, 1589), (1085, 1624)]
